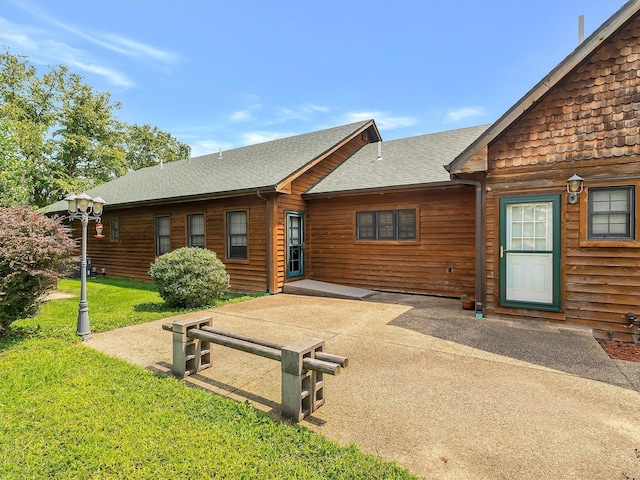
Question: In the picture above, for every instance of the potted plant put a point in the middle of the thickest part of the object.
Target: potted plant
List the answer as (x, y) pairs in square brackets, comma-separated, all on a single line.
[(467, 303)]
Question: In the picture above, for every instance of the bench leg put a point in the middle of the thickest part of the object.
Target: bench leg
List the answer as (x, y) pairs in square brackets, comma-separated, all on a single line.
[(302, 390), (190, 355)]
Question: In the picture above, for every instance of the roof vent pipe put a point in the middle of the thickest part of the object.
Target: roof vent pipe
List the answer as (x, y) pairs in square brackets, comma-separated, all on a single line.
[(220, 154), (379, 157), (580, 29)]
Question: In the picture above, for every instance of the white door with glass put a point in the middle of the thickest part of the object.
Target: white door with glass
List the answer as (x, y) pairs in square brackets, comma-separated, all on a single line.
[(529, 252)]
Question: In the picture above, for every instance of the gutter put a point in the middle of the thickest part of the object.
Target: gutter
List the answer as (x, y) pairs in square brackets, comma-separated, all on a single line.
[(479, 238), (268, 241)]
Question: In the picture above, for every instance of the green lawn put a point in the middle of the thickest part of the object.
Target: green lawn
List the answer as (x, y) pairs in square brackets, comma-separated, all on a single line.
[(68, 411)]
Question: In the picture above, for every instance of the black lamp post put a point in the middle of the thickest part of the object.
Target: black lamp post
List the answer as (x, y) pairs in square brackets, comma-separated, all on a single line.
[(84, 208)]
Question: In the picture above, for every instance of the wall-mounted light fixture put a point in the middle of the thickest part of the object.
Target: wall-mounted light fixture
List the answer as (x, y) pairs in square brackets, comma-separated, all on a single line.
[(575, 185)]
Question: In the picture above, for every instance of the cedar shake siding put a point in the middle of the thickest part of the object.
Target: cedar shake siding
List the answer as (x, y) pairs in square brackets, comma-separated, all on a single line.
[(588, 124)]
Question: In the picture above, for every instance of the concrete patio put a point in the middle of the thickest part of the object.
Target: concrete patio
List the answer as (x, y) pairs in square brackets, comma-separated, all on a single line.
[(431, 387)]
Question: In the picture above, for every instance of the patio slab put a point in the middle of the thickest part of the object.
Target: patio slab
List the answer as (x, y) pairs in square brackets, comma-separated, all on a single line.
[(441, 407)]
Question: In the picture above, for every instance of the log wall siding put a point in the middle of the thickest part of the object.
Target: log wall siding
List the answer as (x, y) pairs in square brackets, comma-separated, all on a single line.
[(587, 124), (446, 240), (133, 254), (294, 202)]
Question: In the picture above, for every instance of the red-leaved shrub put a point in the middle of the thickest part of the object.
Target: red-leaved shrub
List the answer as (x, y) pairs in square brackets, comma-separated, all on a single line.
[(34, 251)]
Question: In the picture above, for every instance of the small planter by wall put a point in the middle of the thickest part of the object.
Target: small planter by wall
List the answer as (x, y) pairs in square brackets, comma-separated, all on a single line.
[(468, 303)]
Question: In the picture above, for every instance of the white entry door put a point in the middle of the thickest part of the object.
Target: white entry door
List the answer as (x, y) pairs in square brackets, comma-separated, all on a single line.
[(529, 252)]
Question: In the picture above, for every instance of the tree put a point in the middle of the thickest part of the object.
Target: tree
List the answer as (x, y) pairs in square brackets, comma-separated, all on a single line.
[(26, 118), (12, 184), (59, 136), (34, 250), (146, 145)]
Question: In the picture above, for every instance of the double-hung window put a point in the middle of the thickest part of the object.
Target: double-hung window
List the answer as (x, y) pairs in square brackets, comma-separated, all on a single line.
[(611, 213), (163, 238), (195, 230), (386, 225), (114, 229), (237, 235)]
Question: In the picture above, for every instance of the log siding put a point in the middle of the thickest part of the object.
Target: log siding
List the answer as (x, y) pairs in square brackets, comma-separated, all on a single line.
[(440, 262), (134, 252)]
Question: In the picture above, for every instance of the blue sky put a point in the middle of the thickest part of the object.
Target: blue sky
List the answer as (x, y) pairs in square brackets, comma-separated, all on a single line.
[(223, 74)]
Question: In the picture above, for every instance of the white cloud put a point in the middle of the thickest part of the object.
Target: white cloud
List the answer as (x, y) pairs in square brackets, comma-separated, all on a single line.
[(383, 119), (52, 45), (464, 113), (302, 113), (112, 76), (39, 46), (205, 147), (41, 50), (251, 138), (134, 49), (10, 34), (240, 116), (109, 41)]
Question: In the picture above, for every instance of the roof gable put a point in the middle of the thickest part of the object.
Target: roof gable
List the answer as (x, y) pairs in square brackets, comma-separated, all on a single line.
[(405, 162), (261, 166), (564, 68)]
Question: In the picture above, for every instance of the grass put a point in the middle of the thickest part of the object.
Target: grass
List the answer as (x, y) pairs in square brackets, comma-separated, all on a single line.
[(68, 411)]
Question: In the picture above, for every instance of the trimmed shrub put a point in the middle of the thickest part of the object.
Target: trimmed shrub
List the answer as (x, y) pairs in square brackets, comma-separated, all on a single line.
[(34, 251), (190, 277)]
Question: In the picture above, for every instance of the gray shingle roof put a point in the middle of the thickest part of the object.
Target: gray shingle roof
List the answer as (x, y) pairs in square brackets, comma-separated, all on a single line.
[(260, 166), (408, 161)]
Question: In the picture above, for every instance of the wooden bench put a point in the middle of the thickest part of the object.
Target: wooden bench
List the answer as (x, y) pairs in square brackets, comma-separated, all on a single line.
[(303, 363)]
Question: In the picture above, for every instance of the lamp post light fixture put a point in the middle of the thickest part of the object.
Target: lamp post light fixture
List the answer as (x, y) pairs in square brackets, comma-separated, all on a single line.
[(575, 185), (84, 208)]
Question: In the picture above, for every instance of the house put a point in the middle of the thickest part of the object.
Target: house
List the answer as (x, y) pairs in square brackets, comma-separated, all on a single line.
[(498, 223), (245, 204), (547, 253), (336, 205)]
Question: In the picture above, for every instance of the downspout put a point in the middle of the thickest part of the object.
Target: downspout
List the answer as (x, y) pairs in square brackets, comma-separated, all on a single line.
[(268, 242), (479, 237)]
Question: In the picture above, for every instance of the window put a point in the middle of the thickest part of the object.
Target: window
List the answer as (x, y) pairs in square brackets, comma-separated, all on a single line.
[(163, 240), (386, 225), (115, 229), (237, 235), (611, 213), (195, 230)]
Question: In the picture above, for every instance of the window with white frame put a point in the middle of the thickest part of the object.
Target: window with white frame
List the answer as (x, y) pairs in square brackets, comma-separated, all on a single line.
[(611, 213), (237, 235), (195, 230)]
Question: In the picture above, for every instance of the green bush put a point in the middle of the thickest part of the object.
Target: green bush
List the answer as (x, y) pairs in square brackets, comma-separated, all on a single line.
[(34, 250), (190, 277)]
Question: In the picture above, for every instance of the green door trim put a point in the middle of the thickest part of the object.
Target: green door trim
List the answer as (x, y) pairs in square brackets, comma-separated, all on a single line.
[(295, 246), (555, 305)]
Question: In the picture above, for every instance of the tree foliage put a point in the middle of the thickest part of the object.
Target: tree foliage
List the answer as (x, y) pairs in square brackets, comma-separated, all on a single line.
[(59, 136), (34, 250)]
